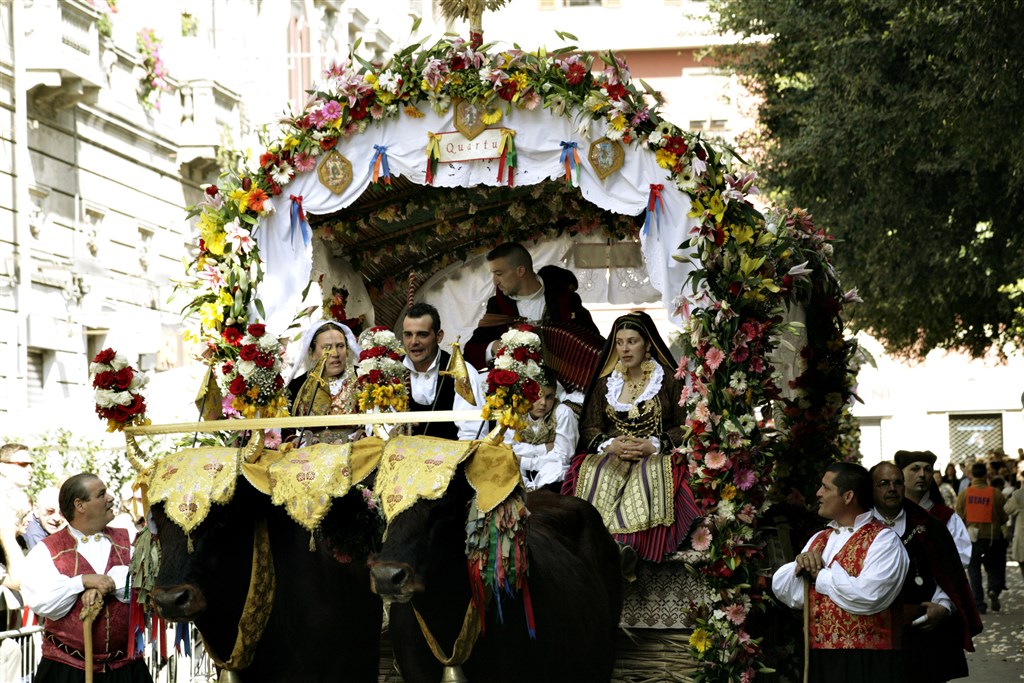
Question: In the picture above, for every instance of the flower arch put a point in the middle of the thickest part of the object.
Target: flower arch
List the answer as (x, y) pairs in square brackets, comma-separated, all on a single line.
[(370, 128)]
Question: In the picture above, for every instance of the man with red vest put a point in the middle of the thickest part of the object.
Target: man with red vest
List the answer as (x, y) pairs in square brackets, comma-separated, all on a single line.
[(917, 469), (84, 562), (938, 607), (981, 506), (856, 568)]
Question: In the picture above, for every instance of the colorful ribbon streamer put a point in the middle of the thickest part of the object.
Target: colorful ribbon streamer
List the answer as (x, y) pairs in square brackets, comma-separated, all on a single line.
[(508, 159), (379, 165), (299, 220), (571, 159), (654, 201), (433, 155)]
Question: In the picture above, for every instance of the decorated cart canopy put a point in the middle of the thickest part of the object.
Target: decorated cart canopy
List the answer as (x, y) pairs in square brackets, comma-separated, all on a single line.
[(405, 170)]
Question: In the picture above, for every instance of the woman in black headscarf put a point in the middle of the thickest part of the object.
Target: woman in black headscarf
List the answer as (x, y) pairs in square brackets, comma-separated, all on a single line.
[(632, 422)]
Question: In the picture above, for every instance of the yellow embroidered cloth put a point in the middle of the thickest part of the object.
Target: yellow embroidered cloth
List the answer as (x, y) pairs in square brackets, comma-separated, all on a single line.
[(306, 481), (189, 481), (631, 496), (421, 467)]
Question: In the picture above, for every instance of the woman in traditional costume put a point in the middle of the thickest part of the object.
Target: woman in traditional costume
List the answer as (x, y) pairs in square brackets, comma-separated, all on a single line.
[(632, 422), (326, 385)]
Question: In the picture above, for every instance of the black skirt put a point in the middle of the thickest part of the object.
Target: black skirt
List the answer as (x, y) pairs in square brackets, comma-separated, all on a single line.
[(51, 671), (856, 666)]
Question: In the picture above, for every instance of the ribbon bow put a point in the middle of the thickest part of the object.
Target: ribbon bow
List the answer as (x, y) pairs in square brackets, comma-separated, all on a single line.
[(654, 201), (379, 164), (508, 158), (571, 159), (433, 156), (299, 220)]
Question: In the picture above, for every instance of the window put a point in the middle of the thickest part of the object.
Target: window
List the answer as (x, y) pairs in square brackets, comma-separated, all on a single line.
[(35, 378), (972, 436)]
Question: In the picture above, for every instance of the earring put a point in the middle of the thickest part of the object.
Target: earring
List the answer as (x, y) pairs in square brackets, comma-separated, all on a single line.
[(620, 368), (647, 364)]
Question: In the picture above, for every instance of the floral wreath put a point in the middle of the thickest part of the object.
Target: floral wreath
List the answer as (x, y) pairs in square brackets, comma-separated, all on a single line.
[(381, 375), (253, 380), (118, 387), (514, 382)]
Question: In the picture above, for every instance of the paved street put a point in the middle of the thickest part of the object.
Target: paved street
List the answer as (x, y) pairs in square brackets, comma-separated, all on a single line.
[(998, 657)]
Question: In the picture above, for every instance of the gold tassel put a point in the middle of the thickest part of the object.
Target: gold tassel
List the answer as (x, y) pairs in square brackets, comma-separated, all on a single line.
[(460, 373), (312, 542)]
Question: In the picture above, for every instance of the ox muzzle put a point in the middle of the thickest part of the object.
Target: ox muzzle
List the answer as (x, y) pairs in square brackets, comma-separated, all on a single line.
[(394, 581), (183, 602)]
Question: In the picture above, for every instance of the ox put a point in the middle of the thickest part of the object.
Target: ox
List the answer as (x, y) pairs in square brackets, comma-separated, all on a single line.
[(575, 582), (325, 622)]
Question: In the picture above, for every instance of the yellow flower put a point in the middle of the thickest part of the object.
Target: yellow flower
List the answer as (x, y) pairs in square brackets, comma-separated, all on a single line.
[(697, 209), (717, 207), (413, 112), (618, 122), (225, 298), (667, 160), (239, 197), (700, 640), (211, 315), (742, 233), (215, 242), (291, 142), (371, 79), (491, 116), (728, 492)]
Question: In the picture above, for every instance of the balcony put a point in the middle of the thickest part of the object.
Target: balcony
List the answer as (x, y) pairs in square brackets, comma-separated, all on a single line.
[(62, 66)]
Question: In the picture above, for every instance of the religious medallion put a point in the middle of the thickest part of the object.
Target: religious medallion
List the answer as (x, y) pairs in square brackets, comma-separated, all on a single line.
[(606, 156), (335, 172), (469, 118)]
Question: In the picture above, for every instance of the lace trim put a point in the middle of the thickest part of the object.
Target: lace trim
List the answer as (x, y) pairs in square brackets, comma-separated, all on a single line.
[(615, 383)]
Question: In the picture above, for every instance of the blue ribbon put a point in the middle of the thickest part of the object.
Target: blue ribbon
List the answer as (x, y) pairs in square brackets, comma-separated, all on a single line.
[(568, 159), (181, 636), (382, 154), (299, 219)]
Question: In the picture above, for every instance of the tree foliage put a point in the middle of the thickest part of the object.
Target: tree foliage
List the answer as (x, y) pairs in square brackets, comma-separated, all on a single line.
[(898, 125)]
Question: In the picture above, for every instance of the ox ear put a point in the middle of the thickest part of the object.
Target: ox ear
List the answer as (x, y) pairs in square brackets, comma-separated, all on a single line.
[(254, 449)]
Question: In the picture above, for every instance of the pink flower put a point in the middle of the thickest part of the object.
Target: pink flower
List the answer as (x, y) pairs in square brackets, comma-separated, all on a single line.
[(736, 614), (716, 460), (700, 539), (745, 479), (746, 514), (748, 676), (714, 358)]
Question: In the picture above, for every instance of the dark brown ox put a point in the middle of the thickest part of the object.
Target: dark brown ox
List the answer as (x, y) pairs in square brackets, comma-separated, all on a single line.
[(575, 584), (325, 622)]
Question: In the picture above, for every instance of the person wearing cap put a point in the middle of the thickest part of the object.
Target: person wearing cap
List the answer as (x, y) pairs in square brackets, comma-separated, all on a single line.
[(856, 567), (939, 617), (918, 467), (983, 508)]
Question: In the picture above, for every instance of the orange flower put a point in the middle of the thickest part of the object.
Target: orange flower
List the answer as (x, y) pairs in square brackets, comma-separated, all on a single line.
[(256, 199)]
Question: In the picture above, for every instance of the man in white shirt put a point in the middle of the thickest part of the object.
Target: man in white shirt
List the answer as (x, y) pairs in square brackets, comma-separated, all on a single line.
[(856, 568), (428, 388), (82, 563), (547, 443), (522, 294)]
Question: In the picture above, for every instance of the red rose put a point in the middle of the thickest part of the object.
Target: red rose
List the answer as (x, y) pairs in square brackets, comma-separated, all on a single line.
[(238, 386), (118, 414), (508, 90), (531, 390), (138, 405), (526, 327), (394, 355), (249, 352), (375, 352), (227, 368), (232, 336), (374, 376), (503, 378), (257, 329), (264, 360), (104, 356), (212, 190), (123, 378), (521, 354), (246, 184), (278, 382), (103, 380)]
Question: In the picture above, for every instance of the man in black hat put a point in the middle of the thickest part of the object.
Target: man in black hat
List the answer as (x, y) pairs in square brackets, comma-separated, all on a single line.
[(939, 614), (918, 467)]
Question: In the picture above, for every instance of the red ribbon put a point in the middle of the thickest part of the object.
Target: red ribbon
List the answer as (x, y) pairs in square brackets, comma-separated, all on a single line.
[(297, 198)]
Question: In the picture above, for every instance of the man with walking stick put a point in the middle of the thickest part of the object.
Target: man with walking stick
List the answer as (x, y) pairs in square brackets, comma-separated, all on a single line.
[(68, 573), (847, 579)]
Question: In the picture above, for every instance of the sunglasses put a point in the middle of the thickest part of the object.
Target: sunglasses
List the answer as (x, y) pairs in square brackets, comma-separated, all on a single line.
[(19, 464)]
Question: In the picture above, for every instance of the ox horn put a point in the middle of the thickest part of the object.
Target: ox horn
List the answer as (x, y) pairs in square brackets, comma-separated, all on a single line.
[(253, 449), (134, 453)]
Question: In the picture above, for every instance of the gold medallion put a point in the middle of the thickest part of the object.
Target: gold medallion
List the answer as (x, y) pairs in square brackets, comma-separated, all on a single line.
[(335, 172)]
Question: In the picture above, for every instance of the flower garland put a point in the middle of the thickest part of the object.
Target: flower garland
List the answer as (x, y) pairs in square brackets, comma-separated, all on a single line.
[(381, 375), (254, 379), (514, 382), (118, 387), (154, 83)]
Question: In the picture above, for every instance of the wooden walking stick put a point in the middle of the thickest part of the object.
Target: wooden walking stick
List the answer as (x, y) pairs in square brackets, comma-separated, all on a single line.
[(88, 616), (807, 627)]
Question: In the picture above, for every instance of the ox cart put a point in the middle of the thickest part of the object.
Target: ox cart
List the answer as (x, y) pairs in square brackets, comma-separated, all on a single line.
[(389, 189)]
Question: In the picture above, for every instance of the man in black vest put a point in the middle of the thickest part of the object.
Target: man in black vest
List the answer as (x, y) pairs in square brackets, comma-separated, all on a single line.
[(428, 388)]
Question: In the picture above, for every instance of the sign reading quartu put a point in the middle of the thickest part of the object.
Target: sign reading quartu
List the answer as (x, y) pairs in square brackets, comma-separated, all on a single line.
[(455, 146)]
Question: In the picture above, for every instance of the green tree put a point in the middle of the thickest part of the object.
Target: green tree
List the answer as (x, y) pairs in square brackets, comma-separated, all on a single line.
[(900, 127)]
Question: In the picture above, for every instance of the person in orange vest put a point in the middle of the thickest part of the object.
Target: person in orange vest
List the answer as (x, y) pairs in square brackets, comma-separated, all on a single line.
[(856, 568), (981, 507)]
